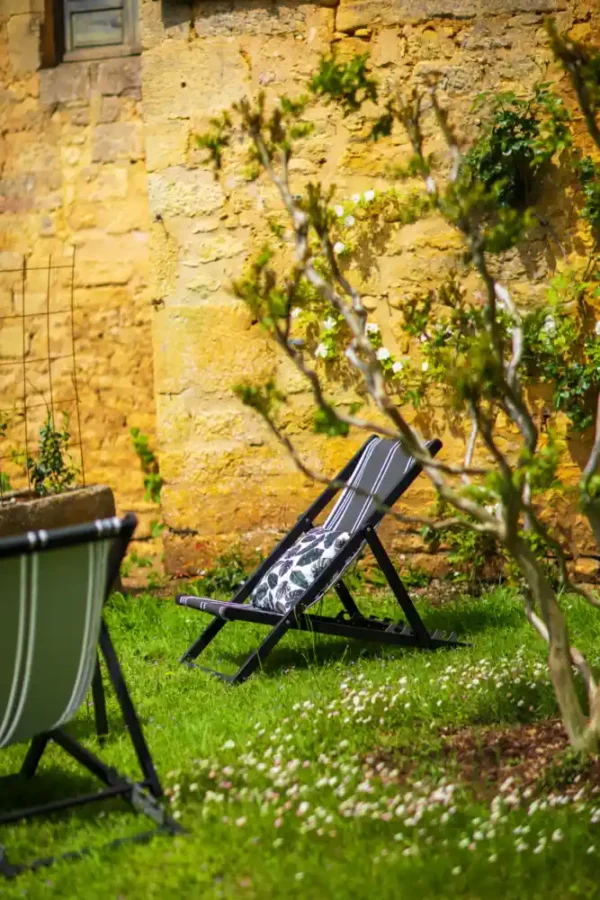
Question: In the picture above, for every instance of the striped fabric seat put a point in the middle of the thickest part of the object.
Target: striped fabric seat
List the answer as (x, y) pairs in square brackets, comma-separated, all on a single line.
[(368, 486), (381, 468), (50, 612), (54, 584)]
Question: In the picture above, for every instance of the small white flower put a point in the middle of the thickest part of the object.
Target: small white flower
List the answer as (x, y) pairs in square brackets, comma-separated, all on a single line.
[(369, 195), (349, 221), (321, 351), (295, 312), (424, 338), (430, 185), (398, 366), (424, 366), (339, 211), (303, 808), (228, 745), (549, 326), (597, 328), (356, 198), (338, 247), (383, 353), (329, 323), (372, 328), (557, 835)]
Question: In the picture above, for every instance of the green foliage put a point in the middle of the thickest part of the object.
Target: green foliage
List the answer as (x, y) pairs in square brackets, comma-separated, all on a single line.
[(522, 136), (149, 463), (414, 576), (217, 140), (5, 485), (228, 573), (589, 176), (263, 398), (346, 84), (562, 347), (51, 469)]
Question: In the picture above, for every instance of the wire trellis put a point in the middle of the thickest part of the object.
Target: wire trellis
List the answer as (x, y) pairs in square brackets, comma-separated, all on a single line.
[(28, 363)]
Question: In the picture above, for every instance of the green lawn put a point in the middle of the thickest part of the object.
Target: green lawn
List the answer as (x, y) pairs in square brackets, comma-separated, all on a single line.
[(326, 775)]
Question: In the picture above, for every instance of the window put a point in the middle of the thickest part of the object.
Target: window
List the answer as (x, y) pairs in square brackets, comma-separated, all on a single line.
[(90, 29)]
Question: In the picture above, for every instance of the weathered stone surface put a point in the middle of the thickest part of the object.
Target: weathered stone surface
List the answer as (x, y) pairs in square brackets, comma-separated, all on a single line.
[(64, 84), (354, 14), (178, 191), (25, 514), (120, 76), (117, 140), (24, 43)]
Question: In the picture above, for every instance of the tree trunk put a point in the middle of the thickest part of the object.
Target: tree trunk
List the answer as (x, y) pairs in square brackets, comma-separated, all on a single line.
[(583, 736)]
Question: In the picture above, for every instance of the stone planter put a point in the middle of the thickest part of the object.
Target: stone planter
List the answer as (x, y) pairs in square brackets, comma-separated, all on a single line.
[(26, 512)]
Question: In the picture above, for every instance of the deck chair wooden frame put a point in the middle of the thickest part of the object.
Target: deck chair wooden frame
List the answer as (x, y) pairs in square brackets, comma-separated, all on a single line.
[(400, 473), (44, 575)]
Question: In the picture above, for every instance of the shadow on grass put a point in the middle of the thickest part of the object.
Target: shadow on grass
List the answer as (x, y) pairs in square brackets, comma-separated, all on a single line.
[(53, 784), (465, 621)]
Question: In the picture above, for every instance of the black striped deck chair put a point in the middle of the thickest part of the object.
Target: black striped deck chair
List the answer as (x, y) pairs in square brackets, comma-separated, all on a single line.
[(280, 591), (54, 584)]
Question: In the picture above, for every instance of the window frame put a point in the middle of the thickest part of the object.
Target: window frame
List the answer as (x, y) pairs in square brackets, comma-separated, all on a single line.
[(56, 43)]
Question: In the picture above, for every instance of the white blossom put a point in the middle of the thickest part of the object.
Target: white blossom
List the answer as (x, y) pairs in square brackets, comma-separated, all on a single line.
[(549, 326), (398, 366), (356, 198), (295, 312), (228, 745), (383, 353), (321, 351), (329, 323), (424, 366), (597, 328), (339, 211), (372, 328), (369, 195), (349, 221), (424, 338), (339, 247)]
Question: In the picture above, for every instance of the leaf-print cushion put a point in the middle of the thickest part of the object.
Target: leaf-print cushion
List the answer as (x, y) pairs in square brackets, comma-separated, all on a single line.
[(290, 577)]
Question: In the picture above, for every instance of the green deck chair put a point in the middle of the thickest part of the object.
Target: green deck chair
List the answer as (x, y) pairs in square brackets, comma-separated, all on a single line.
[(54, 584)]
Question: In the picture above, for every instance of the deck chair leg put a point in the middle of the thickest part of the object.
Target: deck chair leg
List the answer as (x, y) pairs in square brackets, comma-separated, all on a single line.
[(347, 599), (208, 635), (255, 659), (129, 714), (99, 698), (401, 594), (34, 755)]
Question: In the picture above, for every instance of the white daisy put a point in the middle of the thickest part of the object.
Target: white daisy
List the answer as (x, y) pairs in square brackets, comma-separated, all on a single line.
[(369, 195), (424, 366), (356, 198), (383, 353), (329, 323), (397, 367), (339, 247), (339, 211), (321, 351), (372, 328)]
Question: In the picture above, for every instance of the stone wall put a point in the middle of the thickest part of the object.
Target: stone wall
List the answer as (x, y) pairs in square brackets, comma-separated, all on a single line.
[(72, 175), (227, 481)]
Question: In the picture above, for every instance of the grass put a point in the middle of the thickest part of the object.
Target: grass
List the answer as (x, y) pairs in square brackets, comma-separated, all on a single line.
[(324, 776)]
